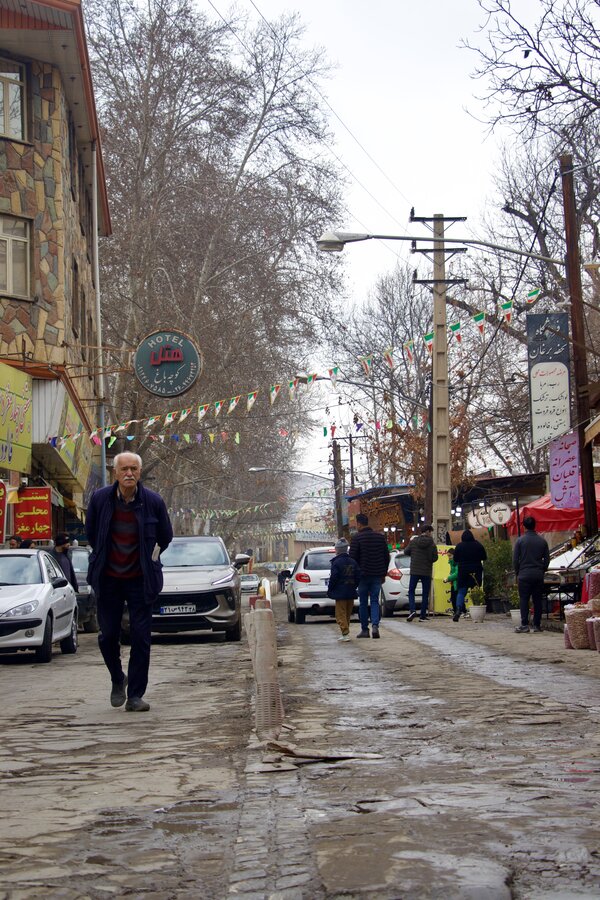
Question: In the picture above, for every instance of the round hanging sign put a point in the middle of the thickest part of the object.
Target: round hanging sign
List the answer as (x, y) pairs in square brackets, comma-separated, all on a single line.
[(167, 363), (499, 513), (483, 517), (472, 519)]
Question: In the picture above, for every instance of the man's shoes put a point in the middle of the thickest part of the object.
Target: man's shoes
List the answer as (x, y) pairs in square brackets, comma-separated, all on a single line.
[(423, 618), (522, 629), (410, 616), (363, 633), (456, 617), (117, 692), (136, 704), (344, 637), (536, 629), (375, 631)]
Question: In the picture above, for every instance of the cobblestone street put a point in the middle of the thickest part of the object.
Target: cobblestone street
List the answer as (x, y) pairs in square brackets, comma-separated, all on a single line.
[(484, 781)]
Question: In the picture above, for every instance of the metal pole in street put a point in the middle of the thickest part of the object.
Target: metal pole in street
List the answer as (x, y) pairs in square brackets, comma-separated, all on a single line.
[(442, 497), (580, 370)]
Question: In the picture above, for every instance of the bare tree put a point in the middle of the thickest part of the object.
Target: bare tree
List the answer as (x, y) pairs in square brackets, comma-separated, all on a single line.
[(544, 75)]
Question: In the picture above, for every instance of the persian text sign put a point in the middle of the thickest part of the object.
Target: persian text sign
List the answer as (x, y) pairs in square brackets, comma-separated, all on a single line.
[(15, 419), (33, 513), (549, 384), (564, 471), (167, 363)]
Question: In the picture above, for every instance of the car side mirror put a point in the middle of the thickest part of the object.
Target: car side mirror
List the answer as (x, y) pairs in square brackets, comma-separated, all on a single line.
[(59, 582), (241, 559)]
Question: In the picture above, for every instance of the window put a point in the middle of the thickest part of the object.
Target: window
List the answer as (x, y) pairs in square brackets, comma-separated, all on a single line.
[(14, 256), (12, 99)]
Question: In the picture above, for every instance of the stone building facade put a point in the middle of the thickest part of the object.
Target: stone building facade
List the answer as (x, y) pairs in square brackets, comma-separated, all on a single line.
[(51, 175)]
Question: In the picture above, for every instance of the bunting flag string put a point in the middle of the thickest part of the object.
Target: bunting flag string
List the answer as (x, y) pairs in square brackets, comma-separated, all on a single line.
[(455, 329), (218, 404), (479, 320), (273, 392), (408, 347), (202, 410), (388, 355), (367, 363), (292, 386), (333, 374), (533, 295), (233, 403), (428, 340), (507, 309), (251, 399)]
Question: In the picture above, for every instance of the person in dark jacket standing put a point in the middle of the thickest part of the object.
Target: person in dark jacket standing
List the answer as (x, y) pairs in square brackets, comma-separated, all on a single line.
[(370, 550), (343, 582), (423, 553), (62, 542), (469, 556), (531, 558), (128, 527)]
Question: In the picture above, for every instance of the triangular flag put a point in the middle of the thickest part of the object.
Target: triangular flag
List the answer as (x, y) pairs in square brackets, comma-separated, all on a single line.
[(218, 407), (233, 403), (273, 391), (237, 437), (367, 363), (324, 430), (150, 422), (292, 385), (186, 438), (479, 319), (310, 379), (202, 410), (283, 432), (455, 329), (507, 309), (408, 347), (111, 441), (211, 437), (184, 413), (169, 418), (388, 356), (250, 400), (333, 430), (533, 295), (428, 340), (333, 374)]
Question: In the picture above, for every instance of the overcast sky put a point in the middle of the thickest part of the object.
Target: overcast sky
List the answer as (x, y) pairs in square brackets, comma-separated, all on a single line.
[(402, 86)]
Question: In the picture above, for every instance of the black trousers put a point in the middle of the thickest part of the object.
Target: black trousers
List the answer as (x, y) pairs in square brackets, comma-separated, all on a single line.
[(531, 588), (114, 593)]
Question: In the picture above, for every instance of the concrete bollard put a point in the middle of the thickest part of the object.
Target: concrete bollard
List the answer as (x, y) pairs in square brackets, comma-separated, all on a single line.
[(262, 640)]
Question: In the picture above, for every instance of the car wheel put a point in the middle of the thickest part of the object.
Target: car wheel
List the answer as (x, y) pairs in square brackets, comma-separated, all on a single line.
[(386, 611), (300, 616), (69, 644), (43, 654), (291, 613), (234, 634), (90, 626)]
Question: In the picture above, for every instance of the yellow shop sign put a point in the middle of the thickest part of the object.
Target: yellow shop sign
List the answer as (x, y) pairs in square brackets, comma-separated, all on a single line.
[(15, 419)]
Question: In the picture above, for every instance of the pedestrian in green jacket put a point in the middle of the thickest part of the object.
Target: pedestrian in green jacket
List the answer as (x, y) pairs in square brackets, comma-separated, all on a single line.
[(452, 578)]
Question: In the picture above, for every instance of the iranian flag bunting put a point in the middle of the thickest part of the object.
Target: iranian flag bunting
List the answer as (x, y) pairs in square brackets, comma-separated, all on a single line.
[(233, 403), (202, 410), (389, 357), (507, 309), (479, 319), (533, 294), (367, 363), (218, 407), (250, 400), (273, 392), (408, 347), (428, 340), (455, 329)]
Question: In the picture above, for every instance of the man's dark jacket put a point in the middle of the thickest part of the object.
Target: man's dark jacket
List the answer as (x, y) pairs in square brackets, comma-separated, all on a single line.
[(66, 565), (531, 556), (469, 555), (370, 550), (423, 553), (344, 578), (154, 528)]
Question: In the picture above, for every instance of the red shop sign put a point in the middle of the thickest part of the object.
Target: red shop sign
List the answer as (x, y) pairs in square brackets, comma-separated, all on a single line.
[(3, 496), (33, 513)]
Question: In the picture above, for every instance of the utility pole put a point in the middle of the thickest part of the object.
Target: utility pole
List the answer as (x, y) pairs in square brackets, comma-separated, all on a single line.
[(580, 370), (438, 490), (337, 486)]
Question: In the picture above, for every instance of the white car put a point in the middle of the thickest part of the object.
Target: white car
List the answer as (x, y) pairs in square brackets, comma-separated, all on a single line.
[(394, 590), (306, 589), (38, 606), (250, 584)]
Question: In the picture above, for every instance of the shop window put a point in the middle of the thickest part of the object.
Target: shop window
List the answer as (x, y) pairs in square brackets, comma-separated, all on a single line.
[(12, 99), (14, 256)]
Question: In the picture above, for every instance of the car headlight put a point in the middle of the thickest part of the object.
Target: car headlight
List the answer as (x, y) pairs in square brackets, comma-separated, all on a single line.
[(25, 609), (225, 579)]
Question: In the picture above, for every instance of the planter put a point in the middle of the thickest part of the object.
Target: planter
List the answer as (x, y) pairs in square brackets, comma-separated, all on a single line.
[(477, 613), (497, 605), (515, 615)]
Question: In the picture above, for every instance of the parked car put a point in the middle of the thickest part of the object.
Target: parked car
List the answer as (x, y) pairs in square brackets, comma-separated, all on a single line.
[(394, 590), (38, 607), (306, 590), (201, 589), (250, 584), (86, 598)]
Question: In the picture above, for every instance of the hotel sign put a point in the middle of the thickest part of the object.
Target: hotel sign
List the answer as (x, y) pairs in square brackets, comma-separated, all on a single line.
[(167, 363)]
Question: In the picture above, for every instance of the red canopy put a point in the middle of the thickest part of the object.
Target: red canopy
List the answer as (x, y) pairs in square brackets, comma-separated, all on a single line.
[(548, 517)]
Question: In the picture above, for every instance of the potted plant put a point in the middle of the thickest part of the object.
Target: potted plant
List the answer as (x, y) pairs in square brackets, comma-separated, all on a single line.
[(514, 603), (476, 597)]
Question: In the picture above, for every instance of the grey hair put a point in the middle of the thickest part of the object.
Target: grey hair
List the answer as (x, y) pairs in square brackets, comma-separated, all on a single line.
[(127, 453)]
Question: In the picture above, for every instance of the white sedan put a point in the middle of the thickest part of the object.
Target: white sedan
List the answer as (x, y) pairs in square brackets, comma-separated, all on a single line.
[(38, 606), (394, 590)]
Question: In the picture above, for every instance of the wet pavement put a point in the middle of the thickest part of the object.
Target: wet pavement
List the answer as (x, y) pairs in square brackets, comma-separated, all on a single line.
[(485, 784)]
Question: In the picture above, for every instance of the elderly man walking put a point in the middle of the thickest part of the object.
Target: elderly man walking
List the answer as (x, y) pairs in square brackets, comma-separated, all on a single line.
[(370, 550), (128, 527)]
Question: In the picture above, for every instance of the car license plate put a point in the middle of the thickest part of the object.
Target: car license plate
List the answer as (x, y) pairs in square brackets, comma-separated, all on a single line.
[(183, 608)]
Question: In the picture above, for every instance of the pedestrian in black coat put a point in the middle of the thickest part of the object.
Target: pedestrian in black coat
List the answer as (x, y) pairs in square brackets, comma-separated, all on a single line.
[(469, 555), (342, 587)]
